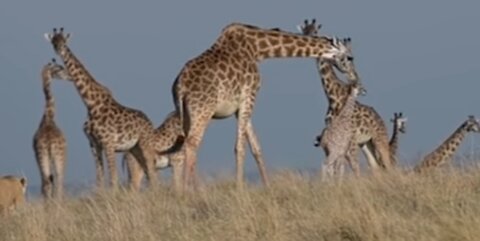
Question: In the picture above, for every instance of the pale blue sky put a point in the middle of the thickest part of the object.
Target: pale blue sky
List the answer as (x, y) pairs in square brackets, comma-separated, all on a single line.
[(419, 57)]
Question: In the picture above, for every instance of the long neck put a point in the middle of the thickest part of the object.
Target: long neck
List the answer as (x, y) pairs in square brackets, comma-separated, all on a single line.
[(268, 43), (49, 112), (93, 93), (445, 151), (348, 108), (335, 90), (393, 144)]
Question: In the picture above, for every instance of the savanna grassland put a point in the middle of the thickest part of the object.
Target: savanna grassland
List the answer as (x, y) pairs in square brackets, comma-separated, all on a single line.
[(444, 205)]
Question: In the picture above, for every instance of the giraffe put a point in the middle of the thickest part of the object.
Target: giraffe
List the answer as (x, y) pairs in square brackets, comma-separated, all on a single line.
[(442, 154), (110, 127), (370, 130), (167, 137), (224, 80), (337, 137), (49, 144), (399, 126)]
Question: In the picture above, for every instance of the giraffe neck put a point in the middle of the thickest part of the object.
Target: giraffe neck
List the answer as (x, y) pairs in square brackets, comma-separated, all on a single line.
[(267, 43), (349, 106), (446, 150), (393, 144), (335, 89), (92, 93), (49, 112)]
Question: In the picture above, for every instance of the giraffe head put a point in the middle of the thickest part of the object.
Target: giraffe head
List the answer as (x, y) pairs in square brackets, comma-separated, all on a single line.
[(399, 121), (472, 124), (53, 70), (342, 57), (58, 39)]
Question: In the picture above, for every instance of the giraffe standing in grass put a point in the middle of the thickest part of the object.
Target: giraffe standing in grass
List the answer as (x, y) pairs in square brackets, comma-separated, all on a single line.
[(442, 154), (167, 138), (110, 127), (224, 81), (399, 126), (49, 143), (370, 130), (337, 137)]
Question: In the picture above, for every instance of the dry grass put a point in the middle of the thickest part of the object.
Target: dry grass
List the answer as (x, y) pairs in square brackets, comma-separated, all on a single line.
[(439, 206)]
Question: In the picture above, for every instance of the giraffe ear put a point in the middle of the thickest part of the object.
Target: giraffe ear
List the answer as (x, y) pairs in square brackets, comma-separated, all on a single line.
[(67, 36), (48, 36)]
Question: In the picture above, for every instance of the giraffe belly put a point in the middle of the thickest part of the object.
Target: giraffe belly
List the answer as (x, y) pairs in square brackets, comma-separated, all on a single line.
[(125, 145), (362, 137), (162, 162), (225, 109)]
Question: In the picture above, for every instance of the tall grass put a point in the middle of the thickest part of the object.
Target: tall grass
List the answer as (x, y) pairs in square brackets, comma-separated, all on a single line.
[(444, 205)]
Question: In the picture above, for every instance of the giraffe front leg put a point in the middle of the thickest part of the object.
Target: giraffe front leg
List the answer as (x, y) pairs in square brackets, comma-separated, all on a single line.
[(144, 158), (257, 152), (177, 168), (352, 158), (243, 118), (96, 150), (112, 167), (134, 171)]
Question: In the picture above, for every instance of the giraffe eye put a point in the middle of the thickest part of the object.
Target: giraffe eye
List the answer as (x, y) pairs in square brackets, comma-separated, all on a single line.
[(349, 58)]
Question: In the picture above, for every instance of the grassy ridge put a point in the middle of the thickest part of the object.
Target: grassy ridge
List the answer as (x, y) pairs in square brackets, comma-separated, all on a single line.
[(440, 206)]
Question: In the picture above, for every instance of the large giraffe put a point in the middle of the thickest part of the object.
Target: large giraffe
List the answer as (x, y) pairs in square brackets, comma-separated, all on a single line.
[(399, 126), (167, 137), (49, 143), (442, 154), (370, 130), (337, 137), (224, 80), (110, 126)]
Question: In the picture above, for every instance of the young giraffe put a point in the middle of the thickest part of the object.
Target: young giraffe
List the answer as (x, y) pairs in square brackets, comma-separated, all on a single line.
[(110, 126), (337, 137), (49, 143), (445, 151), (224, 80), (399, 126), (370, 130), (167, 137)]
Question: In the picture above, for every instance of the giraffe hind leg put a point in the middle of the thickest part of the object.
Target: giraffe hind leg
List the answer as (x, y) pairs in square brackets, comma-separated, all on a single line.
[(43, 161), (59, 162)]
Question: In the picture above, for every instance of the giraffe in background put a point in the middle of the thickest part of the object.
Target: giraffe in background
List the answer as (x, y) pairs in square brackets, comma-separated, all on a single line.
[(111, 126), (224, 81), (442, 154), (370, 130), (399, 126), (49, 144)]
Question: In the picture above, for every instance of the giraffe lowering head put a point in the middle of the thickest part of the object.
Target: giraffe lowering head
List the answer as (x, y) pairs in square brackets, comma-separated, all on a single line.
[(342, 61), (56, 71), (472, 124)]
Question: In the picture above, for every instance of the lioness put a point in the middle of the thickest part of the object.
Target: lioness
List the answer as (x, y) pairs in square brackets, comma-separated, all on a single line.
[(12, 192)]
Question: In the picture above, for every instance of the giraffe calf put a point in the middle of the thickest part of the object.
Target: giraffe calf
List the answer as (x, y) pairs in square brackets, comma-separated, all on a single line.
[(337, 137)]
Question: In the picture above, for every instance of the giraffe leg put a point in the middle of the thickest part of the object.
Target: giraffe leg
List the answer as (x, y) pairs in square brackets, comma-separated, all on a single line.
[(59, 162), (352, 158), (135, 172), (112, 167), (144, 158), (257, 152), (99, 168), (177, 167), (328, 166), (43, 162)]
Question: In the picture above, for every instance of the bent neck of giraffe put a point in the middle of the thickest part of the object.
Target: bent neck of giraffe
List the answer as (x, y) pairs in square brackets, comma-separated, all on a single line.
[(268, 43), (330, 80), (49, 112), (92, 93)]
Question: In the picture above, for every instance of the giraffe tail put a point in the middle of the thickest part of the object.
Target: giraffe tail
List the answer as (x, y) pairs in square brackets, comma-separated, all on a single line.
[(179, 100)]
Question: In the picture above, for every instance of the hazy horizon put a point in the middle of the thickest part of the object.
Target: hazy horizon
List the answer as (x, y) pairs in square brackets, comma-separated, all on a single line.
[(419, 58)]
